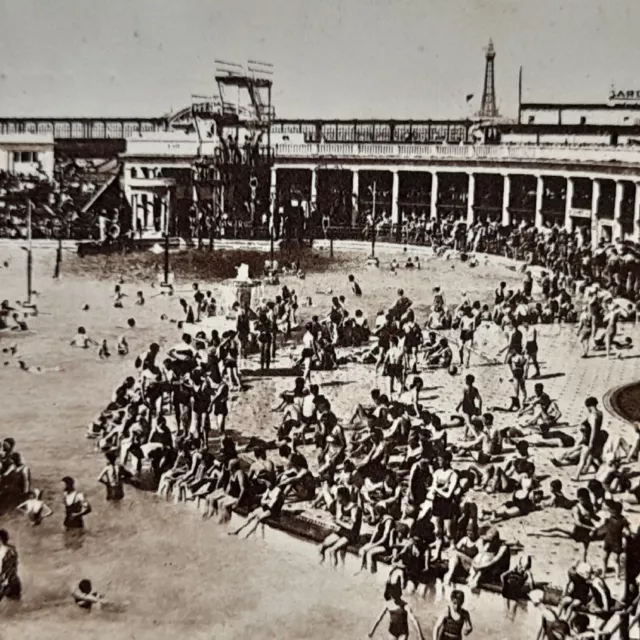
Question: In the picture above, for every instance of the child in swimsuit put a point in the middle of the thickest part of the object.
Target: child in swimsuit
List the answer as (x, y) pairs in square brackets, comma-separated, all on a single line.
[(399, 616), (85, 597), (470, 404), (455, 620)]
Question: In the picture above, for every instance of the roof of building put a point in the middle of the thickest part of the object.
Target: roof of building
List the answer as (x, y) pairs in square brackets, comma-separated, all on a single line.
[(571, 129), (558, 106)]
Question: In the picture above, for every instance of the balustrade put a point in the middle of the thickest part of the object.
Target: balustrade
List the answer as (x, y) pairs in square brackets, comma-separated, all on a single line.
[(550, 153)]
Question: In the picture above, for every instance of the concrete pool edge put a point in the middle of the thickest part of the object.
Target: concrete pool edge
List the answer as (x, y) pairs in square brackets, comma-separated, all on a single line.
[(612, 397), (308, 530)]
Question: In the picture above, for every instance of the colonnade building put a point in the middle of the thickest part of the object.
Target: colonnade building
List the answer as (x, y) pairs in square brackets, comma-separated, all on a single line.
[(597, 188), (573, 165)]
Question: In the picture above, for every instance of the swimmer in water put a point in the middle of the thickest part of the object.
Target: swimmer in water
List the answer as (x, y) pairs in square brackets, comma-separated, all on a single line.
[(85, 597), (113, 477), (399, 616), (20, 325), (118, 296), (122, 347), (103, 351), (82, 340), (455, 622), (11, 350), (24, 367), (34, 508)]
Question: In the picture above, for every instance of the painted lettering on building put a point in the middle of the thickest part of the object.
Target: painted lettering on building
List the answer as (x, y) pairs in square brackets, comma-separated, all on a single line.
[(629, 95)]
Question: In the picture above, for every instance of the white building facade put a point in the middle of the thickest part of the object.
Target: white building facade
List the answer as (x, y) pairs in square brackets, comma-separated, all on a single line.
[(27, 154), (157, 178)]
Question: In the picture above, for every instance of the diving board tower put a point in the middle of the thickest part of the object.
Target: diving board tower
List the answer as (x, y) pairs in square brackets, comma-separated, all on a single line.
[(244, 121), (488, 107), (253, 88)]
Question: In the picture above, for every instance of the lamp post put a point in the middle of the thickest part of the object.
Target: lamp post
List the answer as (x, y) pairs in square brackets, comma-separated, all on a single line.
[(29, 255), (166, 282), (272, 231), (373, 189), (56, 270)]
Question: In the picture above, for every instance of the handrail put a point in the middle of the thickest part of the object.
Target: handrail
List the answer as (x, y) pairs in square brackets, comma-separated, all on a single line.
[(559, 153)]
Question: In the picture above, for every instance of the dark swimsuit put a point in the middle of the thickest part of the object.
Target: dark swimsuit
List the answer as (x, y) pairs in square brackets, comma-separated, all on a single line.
[(581, 589), (452, 629), (556, 630), (73, 519), (398, 623), (220, 407), (515, 585)]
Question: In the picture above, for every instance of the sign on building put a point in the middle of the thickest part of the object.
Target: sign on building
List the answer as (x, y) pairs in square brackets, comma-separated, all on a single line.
[(628, 95), (579, 213)]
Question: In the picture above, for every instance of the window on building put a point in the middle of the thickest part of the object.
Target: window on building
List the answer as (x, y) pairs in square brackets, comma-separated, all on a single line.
[(457, 133), (532, 119), (583, 120), (382, 133), (420, 133), (25, 156), (309, 131), (438, 133), (401, 133)]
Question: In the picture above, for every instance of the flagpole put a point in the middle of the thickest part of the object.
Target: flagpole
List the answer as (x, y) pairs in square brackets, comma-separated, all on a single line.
[(29, 254)]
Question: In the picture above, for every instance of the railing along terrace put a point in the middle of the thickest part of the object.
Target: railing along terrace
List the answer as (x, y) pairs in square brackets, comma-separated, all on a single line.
[(389, 234), (504, 152)]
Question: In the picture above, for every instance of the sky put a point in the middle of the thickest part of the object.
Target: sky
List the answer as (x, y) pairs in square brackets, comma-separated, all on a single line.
[(332, 59)]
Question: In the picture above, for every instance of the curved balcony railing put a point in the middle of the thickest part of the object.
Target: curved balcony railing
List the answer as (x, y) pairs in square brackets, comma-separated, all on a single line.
[(540, 153)]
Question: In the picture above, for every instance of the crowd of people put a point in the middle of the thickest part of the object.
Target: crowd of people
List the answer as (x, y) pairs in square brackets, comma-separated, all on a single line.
[(56, 202), (388, 481), (392, 481), (615, 265)]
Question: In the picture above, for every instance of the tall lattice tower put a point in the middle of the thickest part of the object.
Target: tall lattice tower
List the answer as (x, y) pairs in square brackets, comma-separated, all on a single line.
[(488, 108)]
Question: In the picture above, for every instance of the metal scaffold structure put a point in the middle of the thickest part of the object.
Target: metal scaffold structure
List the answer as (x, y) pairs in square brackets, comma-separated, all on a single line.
[(234, 184)]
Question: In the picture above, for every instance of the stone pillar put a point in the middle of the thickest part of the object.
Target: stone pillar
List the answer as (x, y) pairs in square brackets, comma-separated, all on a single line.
[(135, 222), (314, 185), (636, 215), (434, 196), (506, 196), (395, 194), (165, 204), (595, 223), (471, 192), (568, 206), (616, 228), (355, 197), (539, 194), (148, 212)]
